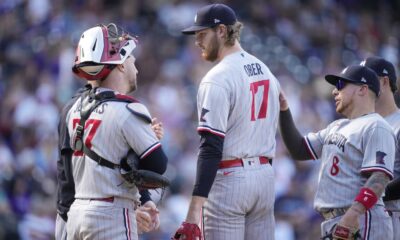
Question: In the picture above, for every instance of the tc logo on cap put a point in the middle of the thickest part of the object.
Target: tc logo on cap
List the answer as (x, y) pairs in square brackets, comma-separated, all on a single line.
[(363, 80)]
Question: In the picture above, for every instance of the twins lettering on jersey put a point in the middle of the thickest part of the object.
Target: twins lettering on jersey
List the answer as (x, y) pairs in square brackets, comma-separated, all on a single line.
[(336, 139)]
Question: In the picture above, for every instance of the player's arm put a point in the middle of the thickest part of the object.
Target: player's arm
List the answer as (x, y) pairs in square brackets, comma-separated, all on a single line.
[(294, 141), (65, 181), (366, 199), (210, 156), (392, 191), (378, 161), (368, 196), (142, 138)]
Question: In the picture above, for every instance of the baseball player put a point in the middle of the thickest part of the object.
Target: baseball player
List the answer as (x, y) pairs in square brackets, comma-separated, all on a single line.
[(104, 204), (146, 215), (238, 107), (386, 107), (356, 154)]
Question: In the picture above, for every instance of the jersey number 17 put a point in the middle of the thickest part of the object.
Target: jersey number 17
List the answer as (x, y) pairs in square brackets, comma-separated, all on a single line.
[(254, 87)]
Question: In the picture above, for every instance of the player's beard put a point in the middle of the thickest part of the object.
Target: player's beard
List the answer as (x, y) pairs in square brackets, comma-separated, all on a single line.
[(211, 52), (345, 106), (133, 85)]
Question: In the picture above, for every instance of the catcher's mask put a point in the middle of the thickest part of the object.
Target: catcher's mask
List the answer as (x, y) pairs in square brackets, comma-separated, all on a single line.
[(100, 49)]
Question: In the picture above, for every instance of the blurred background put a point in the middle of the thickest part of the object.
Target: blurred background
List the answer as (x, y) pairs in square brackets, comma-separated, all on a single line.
[(300, 40)]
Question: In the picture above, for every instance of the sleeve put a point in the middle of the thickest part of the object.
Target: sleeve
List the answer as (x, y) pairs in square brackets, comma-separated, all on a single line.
[(295, 143), (144, 196), (142, 139), (392, 191), (65, 181), (139, 135), (396, 168), (210, 156), (379, 150), (213, 106), (315, 142)]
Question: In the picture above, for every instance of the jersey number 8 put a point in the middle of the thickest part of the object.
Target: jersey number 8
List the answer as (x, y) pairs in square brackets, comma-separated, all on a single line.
[(335, 166)]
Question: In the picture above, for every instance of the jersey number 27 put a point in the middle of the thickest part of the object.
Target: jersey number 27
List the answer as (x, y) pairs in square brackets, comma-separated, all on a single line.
[(93, 124), (254, 87)]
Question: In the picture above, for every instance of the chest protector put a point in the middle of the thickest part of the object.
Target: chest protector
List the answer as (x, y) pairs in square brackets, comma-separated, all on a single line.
[(89, 102)]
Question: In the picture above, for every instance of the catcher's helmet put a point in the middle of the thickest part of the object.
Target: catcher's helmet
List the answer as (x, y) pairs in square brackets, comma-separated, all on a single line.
[(100, 49)]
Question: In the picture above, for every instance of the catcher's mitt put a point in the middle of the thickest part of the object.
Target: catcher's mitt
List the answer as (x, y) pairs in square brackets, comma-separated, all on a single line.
[(143, 179), (190, 230), (340, 232)]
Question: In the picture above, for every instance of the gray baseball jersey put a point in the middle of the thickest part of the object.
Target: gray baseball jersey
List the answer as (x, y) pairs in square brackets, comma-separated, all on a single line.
[(394, 206), (238, 99), (348, 148), (110, 131)]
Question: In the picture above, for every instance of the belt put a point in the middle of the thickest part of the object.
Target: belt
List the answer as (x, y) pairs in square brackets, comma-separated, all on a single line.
[(239, 162), (108, 199), (333, 212)]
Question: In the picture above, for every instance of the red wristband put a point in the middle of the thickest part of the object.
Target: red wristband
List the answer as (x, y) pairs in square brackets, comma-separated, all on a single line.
[(366, 197)]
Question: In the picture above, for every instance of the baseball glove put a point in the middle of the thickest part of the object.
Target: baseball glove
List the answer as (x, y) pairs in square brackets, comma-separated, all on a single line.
[(190, 230), (340, 232), (142, 179)]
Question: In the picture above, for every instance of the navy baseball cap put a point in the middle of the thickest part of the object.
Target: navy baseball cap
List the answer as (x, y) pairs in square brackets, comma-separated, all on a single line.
[(382, 68), (210, 16), (357, 75)]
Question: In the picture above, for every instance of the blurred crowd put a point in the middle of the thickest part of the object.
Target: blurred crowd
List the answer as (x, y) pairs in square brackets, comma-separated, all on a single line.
[(300, 40)]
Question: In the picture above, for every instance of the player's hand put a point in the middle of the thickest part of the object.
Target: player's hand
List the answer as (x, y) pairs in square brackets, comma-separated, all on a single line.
[(151, 208), (157, 128), (143, 220), (348, 226), (187, 231), (350, 219), (284, 105)]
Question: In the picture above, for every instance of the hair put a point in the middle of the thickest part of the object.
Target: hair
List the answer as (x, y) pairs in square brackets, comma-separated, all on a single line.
[(233, 33)]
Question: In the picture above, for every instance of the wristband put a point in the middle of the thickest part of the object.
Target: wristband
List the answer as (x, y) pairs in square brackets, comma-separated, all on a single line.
[(367, 198)]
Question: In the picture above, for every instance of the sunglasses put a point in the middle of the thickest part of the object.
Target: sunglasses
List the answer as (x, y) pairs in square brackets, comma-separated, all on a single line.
[(340, 84)]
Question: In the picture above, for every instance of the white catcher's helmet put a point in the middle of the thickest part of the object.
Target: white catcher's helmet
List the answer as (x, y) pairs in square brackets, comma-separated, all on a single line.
[(100, 49)]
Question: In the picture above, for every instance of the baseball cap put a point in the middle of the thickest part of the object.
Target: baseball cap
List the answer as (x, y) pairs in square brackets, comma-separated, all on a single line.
[(210, 16), (357, 74), (382, 68)]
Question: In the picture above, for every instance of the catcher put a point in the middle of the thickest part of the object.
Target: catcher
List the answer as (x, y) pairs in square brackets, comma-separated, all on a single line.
[(357, 157), (116, 151)]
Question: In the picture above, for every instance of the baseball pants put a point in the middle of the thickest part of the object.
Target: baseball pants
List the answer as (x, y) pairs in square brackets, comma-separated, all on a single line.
[(241, 204), (60, 229), (100, 220), (374, 224), (396, 224)]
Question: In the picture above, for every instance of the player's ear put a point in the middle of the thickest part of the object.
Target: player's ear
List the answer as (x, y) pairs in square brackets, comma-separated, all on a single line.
[(363, 90), (121, 67), (222, 30), (385, 82)]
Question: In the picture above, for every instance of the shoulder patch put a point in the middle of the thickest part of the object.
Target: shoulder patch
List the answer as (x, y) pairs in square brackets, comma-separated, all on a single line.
[(139, 110)]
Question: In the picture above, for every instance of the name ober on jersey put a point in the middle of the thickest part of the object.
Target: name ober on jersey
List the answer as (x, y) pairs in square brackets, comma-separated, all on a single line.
[(253, 69)]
